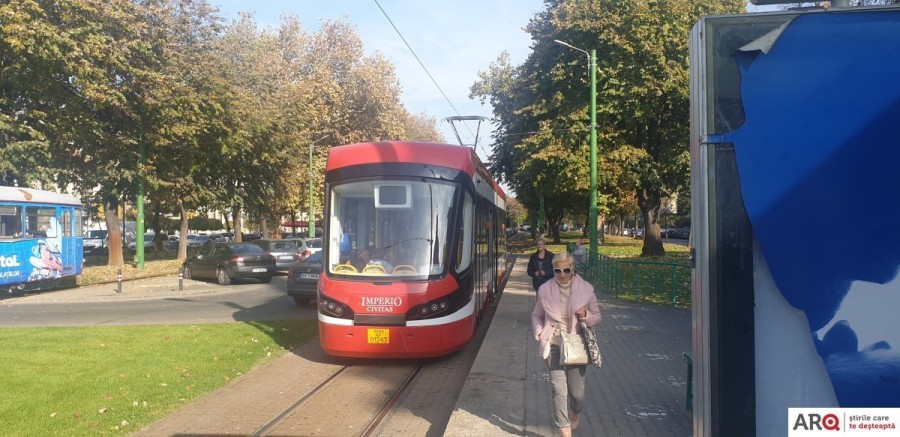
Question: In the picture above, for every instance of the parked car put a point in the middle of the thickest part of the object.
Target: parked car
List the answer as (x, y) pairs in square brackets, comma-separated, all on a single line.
[(285, 252), (172, 244), (96, 242), (148, 243), (228, 261), (197, 240), (250, 236), (307, 246), (681, 233), (221, 236), (303, 278)]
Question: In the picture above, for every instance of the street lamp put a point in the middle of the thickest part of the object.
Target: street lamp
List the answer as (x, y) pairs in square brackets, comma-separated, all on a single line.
[(311, 219), (592, 216)]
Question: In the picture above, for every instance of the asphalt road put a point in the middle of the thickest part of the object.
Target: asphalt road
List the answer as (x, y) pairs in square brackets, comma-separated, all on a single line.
[(202, 303)]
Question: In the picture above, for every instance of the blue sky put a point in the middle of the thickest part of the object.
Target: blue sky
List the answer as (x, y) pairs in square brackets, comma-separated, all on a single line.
[(455, 40)]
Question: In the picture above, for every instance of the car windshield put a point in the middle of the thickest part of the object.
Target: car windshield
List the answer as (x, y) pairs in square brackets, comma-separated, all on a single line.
[(285, 246), (96, 234), (315, 243), (402, 225), (315, 258)]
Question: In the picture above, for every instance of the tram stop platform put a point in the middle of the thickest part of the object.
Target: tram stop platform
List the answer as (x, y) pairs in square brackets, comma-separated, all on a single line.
[(641, 389)]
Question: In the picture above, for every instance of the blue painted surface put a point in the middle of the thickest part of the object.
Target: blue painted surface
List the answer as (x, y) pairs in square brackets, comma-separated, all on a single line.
[(32, 260), (819, 162)]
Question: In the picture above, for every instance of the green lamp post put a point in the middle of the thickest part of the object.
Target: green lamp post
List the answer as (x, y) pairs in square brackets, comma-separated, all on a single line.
[(592, 217)]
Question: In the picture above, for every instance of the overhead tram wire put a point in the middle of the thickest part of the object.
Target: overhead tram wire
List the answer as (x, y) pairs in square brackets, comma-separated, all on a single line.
[(515, 134), (424, 68)]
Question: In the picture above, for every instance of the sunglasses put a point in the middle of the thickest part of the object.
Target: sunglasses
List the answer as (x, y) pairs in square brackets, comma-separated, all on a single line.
[(565, 270)]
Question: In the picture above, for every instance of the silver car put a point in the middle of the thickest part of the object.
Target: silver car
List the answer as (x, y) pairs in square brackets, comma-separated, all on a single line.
[(307, 246), (286, 252)]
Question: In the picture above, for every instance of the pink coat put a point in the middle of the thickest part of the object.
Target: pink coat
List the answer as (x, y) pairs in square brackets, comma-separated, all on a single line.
[(547, 314)]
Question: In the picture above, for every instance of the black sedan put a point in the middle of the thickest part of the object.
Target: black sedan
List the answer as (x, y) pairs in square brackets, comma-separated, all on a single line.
[(227, 261), (303, 278)]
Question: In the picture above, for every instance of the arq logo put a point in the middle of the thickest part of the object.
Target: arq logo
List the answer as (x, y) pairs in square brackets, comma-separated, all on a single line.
[(816, 422)]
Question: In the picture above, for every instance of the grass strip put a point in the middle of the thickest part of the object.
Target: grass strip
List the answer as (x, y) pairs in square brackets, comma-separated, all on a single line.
[(114, 380)]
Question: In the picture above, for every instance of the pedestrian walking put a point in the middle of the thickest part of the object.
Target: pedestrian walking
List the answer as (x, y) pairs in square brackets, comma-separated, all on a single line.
[(540, 266), (561, 305), (579, 252)]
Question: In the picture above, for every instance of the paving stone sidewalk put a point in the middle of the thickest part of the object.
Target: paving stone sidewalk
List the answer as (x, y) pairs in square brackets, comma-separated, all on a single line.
[(639, 391)]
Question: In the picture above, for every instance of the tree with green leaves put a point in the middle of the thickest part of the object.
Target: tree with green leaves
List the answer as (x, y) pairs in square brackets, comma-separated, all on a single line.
[(104, 97), (94, 69), (642, 112)]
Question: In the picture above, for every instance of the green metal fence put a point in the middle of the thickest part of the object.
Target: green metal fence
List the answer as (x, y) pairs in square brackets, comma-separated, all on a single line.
[(658, 282)]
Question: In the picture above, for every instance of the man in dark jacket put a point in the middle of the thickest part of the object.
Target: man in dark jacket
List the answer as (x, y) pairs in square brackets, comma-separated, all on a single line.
[(540, 265)]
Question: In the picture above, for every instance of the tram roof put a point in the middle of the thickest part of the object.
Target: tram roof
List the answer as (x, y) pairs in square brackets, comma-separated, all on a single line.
[(445, 155), (18, 194)]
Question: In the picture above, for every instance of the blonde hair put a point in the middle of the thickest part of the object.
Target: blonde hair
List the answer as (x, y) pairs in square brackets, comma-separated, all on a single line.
[(562, 257)]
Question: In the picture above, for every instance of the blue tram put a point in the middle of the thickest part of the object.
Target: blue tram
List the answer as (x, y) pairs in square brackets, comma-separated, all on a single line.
[(40, 238)]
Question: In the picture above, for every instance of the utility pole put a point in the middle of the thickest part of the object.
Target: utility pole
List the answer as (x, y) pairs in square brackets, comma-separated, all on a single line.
[(311, 219), (139, 238), (592, 216)]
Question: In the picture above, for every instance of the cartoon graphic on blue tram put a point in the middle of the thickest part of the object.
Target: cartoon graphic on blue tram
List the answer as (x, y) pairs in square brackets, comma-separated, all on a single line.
[(46, 255), (40, 238)]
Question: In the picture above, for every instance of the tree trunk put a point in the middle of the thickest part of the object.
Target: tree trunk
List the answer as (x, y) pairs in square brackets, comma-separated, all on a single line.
[(648, 201), (114, 231), (183, 231), (553, 228), (227, 222), (158, 244), (238, 223), (600, 238)]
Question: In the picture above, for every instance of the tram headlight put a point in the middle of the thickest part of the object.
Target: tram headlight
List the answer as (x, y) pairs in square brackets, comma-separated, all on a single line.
[(333, 308), (430, 309)]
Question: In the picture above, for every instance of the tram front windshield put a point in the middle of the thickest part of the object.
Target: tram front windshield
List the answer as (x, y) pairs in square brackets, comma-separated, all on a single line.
[(397, 228)]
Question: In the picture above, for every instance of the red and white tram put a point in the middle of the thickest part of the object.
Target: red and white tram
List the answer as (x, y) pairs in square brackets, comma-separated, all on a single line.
[(415, 249)]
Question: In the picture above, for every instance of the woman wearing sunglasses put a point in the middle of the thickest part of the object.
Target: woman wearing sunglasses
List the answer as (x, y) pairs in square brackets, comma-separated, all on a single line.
[(561, 304)]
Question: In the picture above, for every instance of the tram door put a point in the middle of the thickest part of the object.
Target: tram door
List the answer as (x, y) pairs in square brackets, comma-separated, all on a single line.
[(70, 231)]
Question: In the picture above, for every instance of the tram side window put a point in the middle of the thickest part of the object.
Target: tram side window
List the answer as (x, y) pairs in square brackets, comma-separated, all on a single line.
[(38, 220), (78, 229), (464, 249), (66, 224), (10, 221)]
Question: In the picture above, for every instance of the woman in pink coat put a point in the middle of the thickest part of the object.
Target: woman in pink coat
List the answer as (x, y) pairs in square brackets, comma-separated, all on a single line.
[(562, 302)]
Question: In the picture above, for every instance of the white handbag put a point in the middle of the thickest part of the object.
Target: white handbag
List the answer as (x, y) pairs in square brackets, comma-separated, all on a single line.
[(572, 351)]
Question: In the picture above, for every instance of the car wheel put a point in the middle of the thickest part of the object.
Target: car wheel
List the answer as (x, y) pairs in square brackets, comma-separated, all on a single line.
[(301, 300), (222, 276), (187, 272), (265, 279)]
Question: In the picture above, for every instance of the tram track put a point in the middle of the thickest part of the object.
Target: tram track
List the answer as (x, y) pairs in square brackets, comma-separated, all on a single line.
[(307, 392), (389, 406), (365, 393), (290, 410)]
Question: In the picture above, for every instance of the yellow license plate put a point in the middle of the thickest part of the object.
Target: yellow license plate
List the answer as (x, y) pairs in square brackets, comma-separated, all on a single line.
[(379, 336)]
